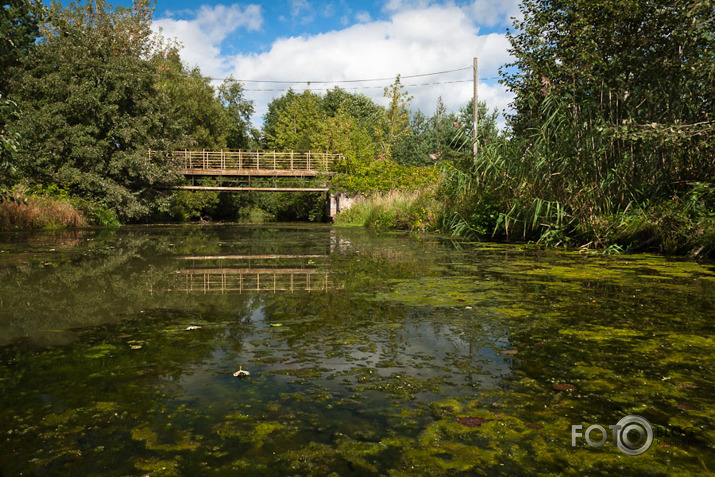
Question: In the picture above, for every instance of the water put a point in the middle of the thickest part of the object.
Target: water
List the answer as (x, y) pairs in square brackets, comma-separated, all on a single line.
[(368, 355)]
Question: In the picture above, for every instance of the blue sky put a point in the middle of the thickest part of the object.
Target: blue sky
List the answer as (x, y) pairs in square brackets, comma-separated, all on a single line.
[(335, 41)]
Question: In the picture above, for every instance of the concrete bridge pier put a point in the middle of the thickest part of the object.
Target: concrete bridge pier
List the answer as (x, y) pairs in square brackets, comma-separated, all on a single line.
[(336, 203)]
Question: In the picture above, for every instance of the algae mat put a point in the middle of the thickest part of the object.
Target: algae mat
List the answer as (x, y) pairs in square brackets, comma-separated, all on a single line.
[(121, 350)]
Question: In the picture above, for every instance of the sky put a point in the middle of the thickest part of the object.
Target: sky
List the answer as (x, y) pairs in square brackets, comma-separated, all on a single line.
[(318, 44)]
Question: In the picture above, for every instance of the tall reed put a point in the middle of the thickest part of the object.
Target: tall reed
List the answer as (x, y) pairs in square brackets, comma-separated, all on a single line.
[(19, 211)]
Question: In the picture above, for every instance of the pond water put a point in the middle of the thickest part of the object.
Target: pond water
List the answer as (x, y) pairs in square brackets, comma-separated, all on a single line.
[(368, 355)]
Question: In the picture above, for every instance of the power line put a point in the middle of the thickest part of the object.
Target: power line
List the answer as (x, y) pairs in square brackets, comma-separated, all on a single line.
[(344, 81), (296, 83), (355, 88), (365, 87)]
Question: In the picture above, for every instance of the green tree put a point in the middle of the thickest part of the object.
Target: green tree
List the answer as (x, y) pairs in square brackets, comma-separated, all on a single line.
[(396, 119), (238, 111), (91, 106), (299, 125), (19, 29), (203, 117), (362, 109), (488, 130), (8, 142), (270, 122), (614, 99), (342, 134)]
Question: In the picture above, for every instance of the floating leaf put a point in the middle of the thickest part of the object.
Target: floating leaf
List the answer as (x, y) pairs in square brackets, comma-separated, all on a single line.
[(241, 373), (564, 387), (471, 421)]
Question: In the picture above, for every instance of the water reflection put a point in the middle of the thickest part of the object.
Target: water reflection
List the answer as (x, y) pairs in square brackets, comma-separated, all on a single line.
[(368, 354), (256, 273)]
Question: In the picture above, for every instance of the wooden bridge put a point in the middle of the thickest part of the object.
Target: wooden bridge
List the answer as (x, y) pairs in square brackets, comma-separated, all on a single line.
[(233, 164)]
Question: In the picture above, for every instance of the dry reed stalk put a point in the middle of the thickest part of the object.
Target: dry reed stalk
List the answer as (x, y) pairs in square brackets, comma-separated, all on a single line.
[(36, 213)]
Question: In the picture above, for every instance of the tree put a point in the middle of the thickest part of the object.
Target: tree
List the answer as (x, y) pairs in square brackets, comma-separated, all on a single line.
[(396, 117), (299, 124), (238, 111), (18, 31), (8, 142), (204, 120), (91, 105), (614, 100), (362, 109), (275, 109), (488, 131), (342, 134)]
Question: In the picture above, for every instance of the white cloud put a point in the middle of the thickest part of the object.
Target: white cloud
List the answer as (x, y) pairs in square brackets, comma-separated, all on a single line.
[(301, 11), (494, 12), (363, 17), (416, 38), (400, 5), (201, 37)]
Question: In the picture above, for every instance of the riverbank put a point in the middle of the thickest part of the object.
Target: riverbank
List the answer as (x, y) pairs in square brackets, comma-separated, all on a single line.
[(675, 228)]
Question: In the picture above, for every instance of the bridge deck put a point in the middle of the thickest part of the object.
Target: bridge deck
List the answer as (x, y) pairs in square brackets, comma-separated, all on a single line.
[(253, 189), (230, 162)]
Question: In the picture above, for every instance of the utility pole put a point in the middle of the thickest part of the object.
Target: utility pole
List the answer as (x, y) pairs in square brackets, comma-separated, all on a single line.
[(476, 116)]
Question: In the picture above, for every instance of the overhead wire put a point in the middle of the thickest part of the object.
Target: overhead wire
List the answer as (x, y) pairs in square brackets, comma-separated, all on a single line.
[(354, 88), (344, 81), (295, 84)]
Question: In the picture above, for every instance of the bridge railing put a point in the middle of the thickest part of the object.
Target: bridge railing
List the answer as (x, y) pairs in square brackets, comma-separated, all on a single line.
[(223, 159), (255, 280)]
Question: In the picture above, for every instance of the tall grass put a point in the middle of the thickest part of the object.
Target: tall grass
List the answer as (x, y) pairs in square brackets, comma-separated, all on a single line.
[(394, 210), (19, 211), (566, 184)]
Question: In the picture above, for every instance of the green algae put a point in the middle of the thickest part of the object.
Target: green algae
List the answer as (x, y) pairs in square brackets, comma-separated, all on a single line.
[(161, 468), (438, 291), (602, 333), (101, 351), (401, 372)]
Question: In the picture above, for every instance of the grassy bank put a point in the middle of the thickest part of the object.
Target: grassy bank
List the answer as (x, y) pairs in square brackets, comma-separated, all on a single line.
[(22, 211), (394, 210), (466, 204)]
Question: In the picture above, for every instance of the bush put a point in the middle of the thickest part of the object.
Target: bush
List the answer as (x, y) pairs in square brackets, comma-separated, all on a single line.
[(378, 176)]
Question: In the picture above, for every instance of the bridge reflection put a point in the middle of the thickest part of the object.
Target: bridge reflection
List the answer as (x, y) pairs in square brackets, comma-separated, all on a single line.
[(256, 273)]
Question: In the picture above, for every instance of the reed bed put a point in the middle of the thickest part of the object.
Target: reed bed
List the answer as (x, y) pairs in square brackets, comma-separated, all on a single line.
[(19, 212)]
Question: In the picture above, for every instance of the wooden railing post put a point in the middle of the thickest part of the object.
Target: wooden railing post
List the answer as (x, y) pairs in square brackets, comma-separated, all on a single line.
[(258, 159), (274, 159), (291, 159), (308, 160), (223, 160), (240, 159)]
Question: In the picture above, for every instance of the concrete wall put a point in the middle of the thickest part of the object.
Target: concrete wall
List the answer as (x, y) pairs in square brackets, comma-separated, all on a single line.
[(336, 203)]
